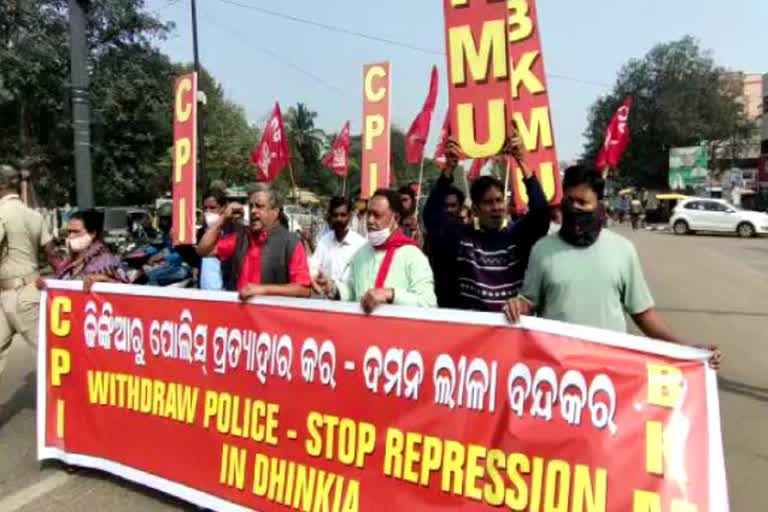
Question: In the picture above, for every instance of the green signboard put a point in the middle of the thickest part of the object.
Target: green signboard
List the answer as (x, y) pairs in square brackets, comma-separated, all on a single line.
[(688, 167)]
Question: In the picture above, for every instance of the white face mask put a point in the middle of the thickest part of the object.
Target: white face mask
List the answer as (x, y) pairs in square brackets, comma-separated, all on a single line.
[(211, 218), (377, 238), (79, 243)]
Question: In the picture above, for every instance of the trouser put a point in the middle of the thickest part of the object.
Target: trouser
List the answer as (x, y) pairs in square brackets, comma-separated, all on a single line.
[(210, 274), (19, 313), (163, 275)]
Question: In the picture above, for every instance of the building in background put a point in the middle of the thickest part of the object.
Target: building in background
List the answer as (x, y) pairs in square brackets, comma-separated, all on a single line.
[(735, 172), (754, 95)]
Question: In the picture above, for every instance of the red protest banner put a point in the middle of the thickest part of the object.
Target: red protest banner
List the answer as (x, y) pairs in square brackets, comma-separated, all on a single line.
[(315, 406), (496, 77), (184, 158), (375, 167)]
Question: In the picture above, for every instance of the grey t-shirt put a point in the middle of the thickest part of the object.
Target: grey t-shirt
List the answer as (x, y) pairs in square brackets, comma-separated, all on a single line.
[(592, 286)]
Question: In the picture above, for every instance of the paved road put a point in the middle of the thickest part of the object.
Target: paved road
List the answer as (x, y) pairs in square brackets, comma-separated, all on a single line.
[(710, 289)]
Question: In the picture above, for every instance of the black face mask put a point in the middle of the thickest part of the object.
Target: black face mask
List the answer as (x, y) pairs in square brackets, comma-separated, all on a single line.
[(581, 228)]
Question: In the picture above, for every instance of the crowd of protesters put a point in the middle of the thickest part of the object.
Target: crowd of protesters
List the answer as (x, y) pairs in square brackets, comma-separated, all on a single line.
[(559, 263)]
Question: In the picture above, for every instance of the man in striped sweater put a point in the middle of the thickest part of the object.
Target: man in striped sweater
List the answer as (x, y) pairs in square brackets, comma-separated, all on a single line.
[(479, 267)]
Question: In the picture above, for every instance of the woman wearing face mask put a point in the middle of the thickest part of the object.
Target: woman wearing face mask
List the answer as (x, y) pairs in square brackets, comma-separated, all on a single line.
[(212, 270), (89, 259)]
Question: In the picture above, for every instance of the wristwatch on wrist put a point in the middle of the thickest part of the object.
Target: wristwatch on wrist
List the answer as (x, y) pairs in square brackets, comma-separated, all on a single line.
[(391, 299)]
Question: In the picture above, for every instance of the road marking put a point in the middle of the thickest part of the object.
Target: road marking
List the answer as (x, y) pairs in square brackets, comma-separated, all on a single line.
[(29, 494)]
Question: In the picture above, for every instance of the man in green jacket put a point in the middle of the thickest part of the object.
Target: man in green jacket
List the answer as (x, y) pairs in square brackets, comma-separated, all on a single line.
[(390, 268)]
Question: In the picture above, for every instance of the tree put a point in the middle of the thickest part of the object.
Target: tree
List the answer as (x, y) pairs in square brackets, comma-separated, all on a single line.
[(131, 100), (680, 98), (229, 138), (129, 95), (402, 172), (307, 143)]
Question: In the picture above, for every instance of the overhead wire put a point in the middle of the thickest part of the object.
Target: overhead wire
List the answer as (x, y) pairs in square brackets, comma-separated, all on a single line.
[(332, 28), (271, 53), (380, 39)]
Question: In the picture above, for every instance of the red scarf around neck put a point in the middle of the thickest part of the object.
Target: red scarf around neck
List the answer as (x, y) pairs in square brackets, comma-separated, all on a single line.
[(394, 242)]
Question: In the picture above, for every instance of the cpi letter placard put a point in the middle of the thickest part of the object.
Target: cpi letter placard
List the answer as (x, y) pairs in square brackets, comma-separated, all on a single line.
[(184, 158)]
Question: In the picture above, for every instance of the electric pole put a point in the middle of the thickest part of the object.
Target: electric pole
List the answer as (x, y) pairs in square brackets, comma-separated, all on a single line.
[(81, 109), (202, 177)]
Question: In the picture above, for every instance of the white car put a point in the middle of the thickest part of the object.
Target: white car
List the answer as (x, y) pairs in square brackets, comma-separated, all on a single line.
[(716, 215)]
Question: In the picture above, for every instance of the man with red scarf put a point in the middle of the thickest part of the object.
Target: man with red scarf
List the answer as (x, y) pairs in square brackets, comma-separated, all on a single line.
[(390, 268)]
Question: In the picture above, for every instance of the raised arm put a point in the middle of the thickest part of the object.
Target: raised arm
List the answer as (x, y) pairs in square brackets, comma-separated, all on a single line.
[(207, 244), (435, 219), (535, 224)]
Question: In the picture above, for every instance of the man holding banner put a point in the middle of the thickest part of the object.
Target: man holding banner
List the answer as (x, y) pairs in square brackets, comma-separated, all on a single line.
[(390, 269), (588, 275), (266, 258), (482, 266)]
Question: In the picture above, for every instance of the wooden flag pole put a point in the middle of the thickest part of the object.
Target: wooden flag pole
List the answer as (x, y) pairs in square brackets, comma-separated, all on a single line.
[(466, 183), (506, 179), (344, 186), (293, 182), (421, 180)]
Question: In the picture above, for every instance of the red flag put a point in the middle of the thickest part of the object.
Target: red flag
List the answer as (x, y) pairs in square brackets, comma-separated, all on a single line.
[(337, 159), (271, 154), (419, 131), (477, 166), (616, 137), (439, 157)]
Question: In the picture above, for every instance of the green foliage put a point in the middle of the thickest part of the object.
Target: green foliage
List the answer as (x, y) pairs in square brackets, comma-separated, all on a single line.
[(131, 95), (307, 144), (680, 98), (228, 137), (403, 173), (131, 100)]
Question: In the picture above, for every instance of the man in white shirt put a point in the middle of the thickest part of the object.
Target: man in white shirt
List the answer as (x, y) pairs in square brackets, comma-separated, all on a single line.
[(336, 248), (359, 221)]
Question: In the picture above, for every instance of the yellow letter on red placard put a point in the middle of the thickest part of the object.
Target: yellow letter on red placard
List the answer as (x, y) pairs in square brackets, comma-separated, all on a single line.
[(61, 364), (183, 108), (492, 54), (60, 326), (665, 385), (378, 94)]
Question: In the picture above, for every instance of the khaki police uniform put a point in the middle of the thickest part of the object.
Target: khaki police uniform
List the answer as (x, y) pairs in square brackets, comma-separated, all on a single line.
[(23, 232)]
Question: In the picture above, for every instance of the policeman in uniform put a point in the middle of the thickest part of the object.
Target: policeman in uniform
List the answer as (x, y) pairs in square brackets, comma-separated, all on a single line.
[(23, 234)]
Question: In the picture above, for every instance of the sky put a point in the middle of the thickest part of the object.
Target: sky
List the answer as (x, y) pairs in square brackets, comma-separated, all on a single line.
[(260, 58)]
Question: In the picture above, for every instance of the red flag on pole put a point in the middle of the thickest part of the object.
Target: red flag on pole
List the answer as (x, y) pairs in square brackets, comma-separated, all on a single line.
[(419, 131), (616, 137), (439, 157), (271, 154), (337, 159), (477, 166)]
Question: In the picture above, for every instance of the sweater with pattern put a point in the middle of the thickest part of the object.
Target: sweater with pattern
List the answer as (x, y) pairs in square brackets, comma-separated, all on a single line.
[(480, 270)]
